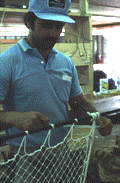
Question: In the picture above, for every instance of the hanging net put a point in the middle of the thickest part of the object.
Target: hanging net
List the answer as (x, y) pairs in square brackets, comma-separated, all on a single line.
[(67, 162)]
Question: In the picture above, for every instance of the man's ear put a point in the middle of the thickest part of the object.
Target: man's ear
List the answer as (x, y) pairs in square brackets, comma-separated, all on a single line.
[(28, 25)]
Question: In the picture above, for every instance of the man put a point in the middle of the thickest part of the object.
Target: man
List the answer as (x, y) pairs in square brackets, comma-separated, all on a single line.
[(37, 82)]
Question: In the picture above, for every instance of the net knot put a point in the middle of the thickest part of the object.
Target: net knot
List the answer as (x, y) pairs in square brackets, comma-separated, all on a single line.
[(52, 125), (76, 120), (94, 115), (27, 133)]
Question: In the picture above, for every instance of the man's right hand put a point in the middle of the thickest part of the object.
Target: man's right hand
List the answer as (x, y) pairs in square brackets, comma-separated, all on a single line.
[(25, 121), (31, 121)]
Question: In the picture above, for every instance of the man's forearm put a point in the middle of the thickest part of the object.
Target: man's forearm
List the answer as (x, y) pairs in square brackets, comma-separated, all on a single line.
[(81, 106), (24, 121), (88, 106), (84, 105)]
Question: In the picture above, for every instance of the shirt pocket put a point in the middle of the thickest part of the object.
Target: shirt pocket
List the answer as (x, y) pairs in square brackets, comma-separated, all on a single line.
[(62, 89)]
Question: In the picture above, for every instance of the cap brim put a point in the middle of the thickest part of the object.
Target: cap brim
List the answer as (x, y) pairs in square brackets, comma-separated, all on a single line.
[(55, 17)]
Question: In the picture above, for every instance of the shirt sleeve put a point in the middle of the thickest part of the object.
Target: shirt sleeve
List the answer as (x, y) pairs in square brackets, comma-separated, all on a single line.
[(5, 77), (75, 88)]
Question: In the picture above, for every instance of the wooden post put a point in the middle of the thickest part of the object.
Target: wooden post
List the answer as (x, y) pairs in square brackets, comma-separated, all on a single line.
[(83, 4)]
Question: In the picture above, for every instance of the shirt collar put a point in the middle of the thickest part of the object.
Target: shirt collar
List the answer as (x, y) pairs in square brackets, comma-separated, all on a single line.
[(25, 46)]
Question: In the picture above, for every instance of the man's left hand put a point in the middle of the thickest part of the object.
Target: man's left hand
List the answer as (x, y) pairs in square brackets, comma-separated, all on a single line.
[(106, 126)]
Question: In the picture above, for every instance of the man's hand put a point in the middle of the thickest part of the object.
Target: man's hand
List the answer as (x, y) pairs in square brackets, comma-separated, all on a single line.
[(31, 121), (106, 126), (24, 121)]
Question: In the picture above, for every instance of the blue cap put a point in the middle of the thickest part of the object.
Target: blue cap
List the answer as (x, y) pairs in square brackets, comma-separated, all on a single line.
[(55, 10)]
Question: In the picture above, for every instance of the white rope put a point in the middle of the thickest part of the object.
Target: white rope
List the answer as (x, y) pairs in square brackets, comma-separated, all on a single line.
[(94, 115)]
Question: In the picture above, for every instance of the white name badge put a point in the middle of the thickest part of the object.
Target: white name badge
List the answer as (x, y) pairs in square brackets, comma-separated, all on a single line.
[(66, 78)]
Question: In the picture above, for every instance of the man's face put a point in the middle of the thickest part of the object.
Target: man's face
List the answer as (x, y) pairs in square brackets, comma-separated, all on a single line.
[(46, 34)]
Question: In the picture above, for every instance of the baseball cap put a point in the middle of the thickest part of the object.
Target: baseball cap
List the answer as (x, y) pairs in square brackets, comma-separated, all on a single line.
[(55, 10)]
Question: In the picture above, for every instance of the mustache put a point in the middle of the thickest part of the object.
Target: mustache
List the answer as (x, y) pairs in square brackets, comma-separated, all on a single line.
[(51, 39)]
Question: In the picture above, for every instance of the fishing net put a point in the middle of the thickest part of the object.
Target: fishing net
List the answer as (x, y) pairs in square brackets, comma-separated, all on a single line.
[(66, 162)]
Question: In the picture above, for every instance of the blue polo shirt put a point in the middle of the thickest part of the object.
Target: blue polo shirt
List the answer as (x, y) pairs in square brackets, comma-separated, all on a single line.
[(28, 83)]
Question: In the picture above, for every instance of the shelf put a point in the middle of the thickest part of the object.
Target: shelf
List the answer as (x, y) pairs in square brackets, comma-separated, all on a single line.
[(13, 10), (15, 15), (110, 93), (69, 49), (78, 14), (9, 41), (12, 15)]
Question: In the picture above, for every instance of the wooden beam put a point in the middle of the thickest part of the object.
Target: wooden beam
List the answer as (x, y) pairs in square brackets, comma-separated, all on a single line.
[(107, 25)]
